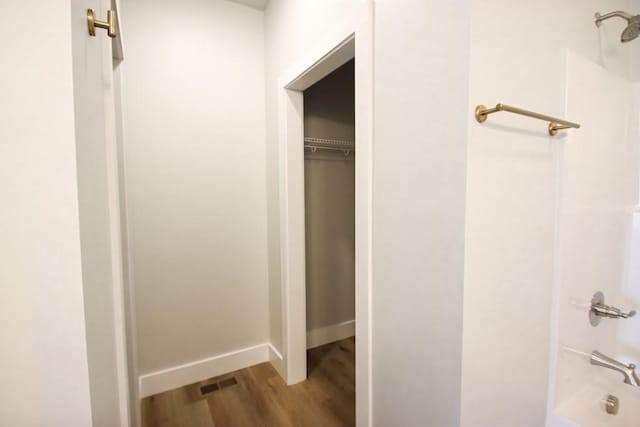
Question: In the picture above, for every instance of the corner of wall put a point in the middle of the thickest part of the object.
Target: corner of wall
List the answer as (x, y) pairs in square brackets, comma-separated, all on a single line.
[(277, 361)]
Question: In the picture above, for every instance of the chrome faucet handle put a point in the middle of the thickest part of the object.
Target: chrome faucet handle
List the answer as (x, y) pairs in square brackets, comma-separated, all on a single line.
[(599, 310), (603, 310), (627, 315)]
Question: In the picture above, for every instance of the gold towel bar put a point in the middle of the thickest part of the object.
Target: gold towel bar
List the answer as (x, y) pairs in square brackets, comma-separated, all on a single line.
[(555, 124)]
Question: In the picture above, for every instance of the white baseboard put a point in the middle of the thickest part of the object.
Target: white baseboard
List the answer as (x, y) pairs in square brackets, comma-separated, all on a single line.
[(277, 361), (189, 373), (200, 370), (331, 333)]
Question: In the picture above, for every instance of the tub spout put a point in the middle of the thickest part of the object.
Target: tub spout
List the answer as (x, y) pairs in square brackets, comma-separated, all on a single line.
[(629, 372)]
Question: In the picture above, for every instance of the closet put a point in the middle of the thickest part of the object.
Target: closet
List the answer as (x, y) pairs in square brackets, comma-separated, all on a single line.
[(329, 174)]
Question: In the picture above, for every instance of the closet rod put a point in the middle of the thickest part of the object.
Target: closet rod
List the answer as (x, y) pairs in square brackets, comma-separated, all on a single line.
[(314, 148)]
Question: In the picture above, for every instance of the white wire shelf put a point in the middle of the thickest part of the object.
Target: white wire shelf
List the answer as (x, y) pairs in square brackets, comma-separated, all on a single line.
[(314, 144), (342, 143)]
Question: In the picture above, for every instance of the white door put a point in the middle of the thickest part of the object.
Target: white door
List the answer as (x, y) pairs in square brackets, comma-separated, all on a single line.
[(57, 283), (99, 214)]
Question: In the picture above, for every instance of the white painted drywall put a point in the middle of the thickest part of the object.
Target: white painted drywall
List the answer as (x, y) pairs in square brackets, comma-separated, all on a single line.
[(297, 35), (195, 164), (294, 29), (420, 245), (518, 57), (45, 377), (329, 112), (256, 4), (419, 154), (329, 106)]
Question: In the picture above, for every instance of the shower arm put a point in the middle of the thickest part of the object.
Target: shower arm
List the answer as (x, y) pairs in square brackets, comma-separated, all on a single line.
[(620, 14)]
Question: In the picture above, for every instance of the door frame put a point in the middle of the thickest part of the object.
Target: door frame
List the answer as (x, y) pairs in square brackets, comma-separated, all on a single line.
[(124, 326), (358, 43)]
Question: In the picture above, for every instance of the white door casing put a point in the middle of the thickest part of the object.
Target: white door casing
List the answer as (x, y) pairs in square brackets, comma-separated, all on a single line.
[(321, 61)]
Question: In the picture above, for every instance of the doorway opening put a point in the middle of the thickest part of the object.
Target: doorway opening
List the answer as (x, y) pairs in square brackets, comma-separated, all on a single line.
[(292, 193), (355, 48), (329, 193)]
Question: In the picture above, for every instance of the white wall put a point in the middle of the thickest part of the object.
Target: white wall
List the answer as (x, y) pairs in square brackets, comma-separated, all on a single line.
[(296, 34), (293, 30), (420, 90), (329, 106), (330, 238), (518, 57), (44, 356), (195, 159), (418, 240), (329, 109)]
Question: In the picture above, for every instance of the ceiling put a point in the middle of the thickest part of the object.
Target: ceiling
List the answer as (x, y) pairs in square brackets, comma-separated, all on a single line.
[(256, 4)]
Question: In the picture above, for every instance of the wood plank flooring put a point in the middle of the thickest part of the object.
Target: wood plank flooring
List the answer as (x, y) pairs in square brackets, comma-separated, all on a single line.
[(262, 399)]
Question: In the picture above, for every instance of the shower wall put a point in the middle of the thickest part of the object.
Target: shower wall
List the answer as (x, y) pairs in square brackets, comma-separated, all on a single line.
[(597, 205), (635, 47), (513, 193)]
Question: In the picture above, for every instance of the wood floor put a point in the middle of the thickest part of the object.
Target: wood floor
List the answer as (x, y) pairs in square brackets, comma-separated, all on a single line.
[(259, 397)]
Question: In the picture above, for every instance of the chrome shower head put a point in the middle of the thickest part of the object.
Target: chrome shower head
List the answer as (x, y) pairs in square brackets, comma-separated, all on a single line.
[(632, 30)]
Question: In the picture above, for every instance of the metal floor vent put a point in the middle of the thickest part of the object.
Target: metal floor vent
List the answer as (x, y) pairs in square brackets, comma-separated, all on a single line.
[(210, 388)]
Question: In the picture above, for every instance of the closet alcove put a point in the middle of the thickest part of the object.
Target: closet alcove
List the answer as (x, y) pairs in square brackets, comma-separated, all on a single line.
[(329, 174)]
